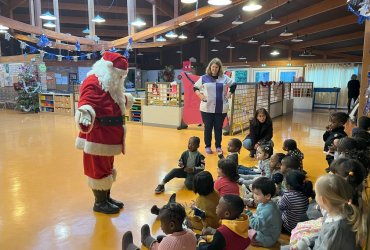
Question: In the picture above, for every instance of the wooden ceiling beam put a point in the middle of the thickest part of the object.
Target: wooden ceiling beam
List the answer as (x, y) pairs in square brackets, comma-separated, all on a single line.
[(99, 32), (333, 24), (98, 8), (268, 6), (305, 13), (163, 7), (16, 4), (53, 44), (4, 2), (174, 23), (347, 49), (82, 20), (328, 40), (16, 25)]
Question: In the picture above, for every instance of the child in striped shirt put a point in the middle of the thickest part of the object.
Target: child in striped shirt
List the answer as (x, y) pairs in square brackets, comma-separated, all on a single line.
[(294, 203)]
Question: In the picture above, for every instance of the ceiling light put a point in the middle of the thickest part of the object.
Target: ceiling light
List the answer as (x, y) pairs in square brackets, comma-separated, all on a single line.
[(275, 53), (157, 59), (98, 19), (49, 24), (252, 7), (237, 21), (217, 15), (48, 16), (161, 39), (171, 34), (86, 31), (182, 36), (297, 40), (139, 54), (138, 23), (178, 52), (242, 58), (219, 2), (272, 21), (200, 36), (2, 27), (286, 33), (265, 45), (253, 40), (230, 46), (215, 40), (188, 1), (214, 50)]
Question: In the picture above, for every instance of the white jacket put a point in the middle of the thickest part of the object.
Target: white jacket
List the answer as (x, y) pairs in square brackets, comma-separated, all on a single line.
[(215, 90)]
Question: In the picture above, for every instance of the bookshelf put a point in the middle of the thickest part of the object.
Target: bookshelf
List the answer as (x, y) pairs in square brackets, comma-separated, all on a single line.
[(56, 103)]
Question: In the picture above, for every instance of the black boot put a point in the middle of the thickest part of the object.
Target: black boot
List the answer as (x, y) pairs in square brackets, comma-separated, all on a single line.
[(146, 238), (115, 202), (128, 242), (101, 203)]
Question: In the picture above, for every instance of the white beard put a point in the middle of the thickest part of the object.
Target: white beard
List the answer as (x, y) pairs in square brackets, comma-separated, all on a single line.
[(111, 80)]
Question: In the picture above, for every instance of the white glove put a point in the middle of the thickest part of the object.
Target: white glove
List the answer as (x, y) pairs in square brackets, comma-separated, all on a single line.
[(85, 117)]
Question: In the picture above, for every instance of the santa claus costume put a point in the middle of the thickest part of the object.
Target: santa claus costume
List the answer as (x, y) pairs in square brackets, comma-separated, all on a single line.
[(100, 118)]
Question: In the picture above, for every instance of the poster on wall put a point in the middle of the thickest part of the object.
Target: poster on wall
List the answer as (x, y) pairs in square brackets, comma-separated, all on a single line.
[(262, 76), (241, 76), (82, 72)]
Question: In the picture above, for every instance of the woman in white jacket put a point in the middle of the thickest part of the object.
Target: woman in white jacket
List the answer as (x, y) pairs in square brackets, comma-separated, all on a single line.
[(214, 89)]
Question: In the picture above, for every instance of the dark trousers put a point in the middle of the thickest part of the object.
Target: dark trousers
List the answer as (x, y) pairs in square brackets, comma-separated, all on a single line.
[(213, 121), (180, 173), (350, 100)]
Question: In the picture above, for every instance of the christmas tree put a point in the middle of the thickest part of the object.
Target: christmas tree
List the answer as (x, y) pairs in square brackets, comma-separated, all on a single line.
[(28, 89)]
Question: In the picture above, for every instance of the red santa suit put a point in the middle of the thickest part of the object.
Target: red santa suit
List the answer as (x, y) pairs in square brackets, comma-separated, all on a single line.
[(105, 137)]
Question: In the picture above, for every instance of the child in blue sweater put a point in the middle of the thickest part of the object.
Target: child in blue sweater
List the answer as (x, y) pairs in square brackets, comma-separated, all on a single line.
[(266, 223)]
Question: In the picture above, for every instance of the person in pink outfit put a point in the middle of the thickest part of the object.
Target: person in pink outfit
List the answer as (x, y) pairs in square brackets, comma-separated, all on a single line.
[(172, 217), (100, 119)]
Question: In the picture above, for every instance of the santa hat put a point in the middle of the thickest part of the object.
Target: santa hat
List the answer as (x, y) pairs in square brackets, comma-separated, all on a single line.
[(118, 60)]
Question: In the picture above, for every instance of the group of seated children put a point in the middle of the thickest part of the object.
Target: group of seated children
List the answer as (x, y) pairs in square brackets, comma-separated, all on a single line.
[(279, 190)]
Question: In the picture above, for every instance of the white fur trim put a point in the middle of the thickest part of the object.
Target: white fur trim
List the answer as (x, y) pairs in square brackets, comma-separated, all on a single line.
[(114, 174), (80, 143), (78, 114), (100, 184), (129, 100), (94, 148)]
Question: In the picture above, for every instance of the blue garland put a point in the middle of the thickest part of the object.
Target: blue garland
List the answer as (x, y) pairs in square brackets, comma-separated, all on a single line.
[(43, 41), (361, 18)]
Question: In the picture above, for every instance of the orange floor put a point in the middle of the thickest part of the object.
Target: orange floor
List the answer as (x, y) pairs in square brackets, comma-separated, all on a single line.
[(46, 203)]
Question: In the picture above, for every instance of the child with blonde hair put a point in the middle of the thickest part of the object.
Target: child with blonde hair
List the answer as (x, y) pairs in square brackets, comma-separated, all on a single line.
[(344, 225)]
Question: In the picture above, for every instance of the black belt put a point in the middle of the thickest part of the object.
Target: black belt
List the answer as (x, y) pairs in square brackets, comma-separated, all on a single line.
[(111, 121)]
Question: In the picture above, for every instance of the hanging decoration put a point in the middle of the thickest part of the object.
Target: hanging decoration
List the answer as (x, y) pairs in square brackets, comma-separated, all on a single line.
[(363, 12), (23, 45), (75, 58), (78, 46), (128, 48), (42, 67), (43, 41), (7, 36), (88, 56), (113, 49), (102, 51)]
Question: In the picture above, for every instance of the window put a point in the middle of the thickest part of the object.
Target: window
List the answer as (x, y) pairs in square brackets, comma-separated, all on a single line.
[(287, 76), (262, 76)]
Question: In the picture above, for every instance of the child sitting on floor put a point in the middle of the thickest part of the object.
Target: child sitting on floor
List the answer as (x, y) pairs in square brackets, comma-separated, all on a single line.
[(172, 216), (206, 202), (233, 232), (191, 162), (233, 147), (344, 224), (227, 178), (290, 146), (335, 130), (263, 155), (294, 203), (266, 223), (275, 163)]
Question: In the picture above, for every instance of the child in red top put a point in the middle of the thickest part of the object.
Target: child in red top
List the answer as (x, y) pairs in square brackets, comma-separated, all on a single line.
[(227, 178)]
